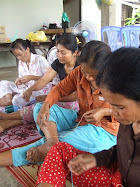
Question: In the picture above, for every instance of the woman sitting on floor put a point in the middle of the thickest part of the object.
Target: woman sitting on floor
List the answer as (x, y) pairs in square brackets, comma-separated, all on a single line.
[(31, 67), (96, 130), (57, 165), (119, 82), (68, 49)]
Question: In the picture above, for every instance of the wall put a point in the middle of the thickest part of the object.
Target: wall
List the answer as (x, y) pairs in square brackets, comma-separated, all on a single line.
[(91, 12), (24, 16)]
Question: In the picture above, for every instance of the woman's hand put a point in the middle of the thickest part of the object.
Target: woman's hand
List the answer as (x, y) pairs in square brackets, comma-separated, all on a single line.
[(27, 94), (43, 115), (41, 98), (26, 79), (18, 82), (82, 163), (96, 114)]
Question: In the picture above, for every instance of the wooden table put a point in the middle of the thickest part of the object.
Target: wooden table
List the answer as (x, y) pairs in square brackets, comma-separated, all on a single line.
[(42, 46), (56, 31)]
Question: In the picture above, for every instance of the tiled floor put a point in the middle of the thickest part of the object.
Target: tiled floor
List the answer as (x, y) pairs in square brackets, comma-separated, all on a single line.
[(6, 178)]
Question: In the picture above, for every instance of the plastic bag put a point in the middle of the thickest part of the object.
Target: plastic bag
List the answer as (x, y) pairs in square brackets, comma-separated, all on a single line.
[(37, 36)]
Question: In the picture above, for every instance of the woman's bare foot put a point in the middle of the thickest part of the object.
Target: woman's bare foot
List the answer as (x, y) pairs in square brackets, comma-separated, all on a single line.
[(2, 126), (38, 154), (5, 124)]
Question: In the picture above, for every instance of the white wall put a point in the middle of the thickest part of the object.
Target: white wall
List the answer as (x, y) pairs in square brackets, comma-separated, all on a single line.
[(90, 12), (24, 16)]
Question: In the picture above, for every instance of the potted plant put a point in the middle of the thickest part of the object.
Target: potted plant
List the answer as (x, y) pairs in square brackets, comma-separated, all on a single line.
[(134, 19)]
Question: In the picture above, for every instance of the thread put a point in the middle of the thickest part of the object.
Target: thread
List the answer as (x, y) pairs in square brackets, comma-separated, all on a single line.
[(68, 133), (71, 179)]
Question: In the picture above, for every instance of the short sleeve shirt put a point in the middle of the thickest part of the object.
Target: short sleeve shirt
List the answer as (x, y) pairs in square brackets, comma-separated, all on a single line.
[(38, 66), (59, 68), (51, 57)]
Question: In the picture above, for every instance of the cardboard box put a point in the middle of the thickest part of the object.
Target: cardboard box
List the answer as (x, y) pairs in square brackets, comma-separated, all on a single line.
[(2, 34)]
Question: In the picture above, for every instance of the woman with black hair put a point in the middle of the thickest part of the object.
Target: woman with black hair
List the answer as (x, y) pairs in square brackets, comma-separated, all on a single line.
[(119, 81), (67, 52), (95, 129), (31, 67)]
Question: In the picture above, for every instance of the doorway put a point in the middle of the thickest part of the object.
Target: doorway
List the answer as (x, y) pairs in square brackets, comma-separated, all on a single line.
[(73, 10)]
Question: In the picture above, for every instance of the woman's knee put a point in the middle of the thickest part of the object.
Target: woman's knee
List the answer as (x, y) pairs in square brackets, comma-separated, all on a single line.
[(36, 110)]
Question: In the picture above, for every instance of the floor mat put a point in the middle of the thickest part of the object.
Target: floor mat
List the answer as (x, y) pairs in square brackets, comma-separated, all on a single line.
[(27, 175), (18, 136)]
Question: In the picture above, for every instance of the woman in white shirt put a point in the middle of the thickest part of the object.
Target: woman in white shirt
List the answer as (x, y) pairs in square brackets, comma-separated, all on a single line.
[(31, 67)]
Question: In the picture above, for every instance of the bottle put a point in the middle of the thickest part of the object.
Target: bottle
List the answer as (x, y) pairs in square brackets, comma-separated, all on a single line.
[(12, 108), (65, 20)]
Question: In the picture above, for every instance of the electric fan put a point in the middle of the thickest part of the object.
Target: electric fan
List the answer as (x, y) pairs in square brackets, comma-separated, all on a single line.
[(85, 28)]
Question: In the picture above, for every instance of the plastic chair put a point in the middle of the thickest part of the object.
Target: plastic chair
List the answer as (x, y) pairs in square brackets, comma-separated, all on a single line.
[(130, 35), (113, 36)]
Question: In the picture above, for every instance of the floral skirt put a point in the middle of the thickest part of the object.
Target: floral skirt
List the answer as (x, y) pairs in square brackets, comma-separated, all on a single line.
[(26, 113)]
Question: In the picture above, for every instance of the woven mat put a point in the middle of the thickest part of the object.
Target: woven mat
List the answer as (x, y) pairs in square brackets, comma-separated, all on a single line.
[(18, 136), (27, 175)]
